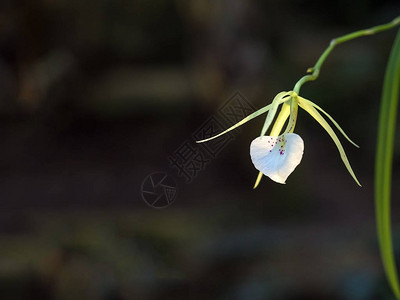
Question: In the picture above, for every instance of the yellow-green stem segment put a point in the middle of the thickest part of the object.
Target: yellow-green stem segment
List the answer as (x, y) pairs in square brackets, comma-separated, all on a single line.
[(317, 67)]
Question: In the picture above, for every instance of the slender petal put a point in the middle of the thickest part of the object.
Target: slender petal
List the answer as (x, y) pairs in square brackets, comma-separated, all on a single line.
[(277, 157), (250, 117), (281, 119), (274, 107), (294, 107), (330, 118), (316, 115)]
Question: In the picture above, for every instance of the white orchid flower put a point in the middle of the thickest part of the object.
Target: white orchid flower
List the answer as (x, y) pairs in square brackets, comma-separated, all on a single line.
[(277, 155)]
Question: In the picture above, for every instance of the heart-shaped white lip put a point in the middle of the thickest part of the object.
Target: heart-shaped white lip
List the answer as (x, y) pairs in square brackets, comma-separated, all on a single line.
[(277, 157)]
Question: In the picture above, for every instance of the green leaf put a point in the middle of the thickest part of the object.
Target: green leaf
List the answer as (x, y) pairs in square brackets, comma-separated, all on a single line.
[(383, 164)]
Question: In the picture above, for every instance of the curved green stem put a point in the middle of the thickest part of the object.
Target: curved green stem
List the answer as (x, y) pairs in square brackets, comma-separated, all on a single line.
[(317, 67)]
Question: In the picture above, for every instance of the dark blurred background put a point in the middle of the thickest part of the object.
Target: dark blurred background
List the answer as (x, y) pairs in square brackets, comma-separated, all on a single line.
[(97, 95)]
